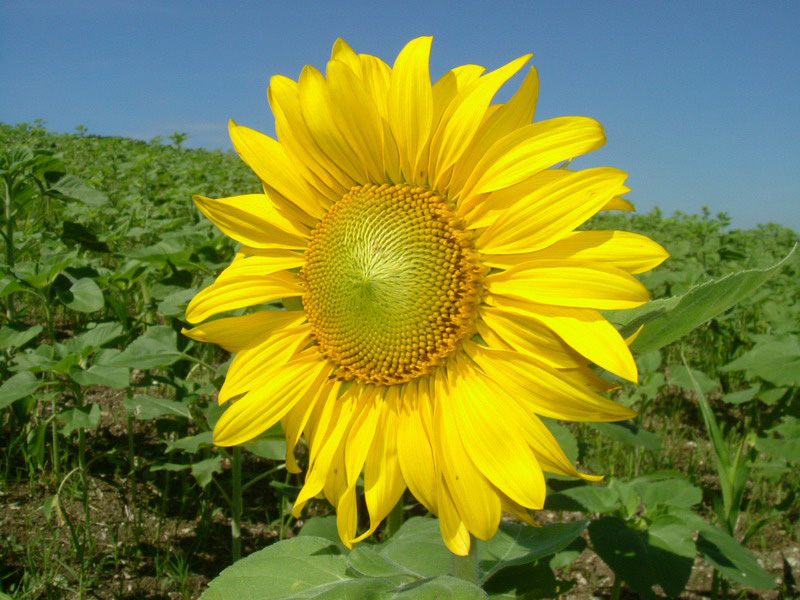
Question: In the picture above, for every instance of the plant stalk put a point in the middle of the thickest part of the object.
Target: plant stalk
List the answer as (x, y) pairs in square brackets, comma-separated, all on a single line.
[(236, 503)]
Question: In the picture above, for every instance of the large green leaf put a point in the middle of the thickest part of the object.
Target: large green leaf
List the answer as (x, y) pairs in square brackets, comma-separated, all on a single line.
[(16, 387), (776, 361), (73, 187), (86, 417), (732, 559), (156, 347), (145, 407), (668, 319), (521, 544), (84, 296), (661, 556), (12, 337), (629, 434), (417, 546)]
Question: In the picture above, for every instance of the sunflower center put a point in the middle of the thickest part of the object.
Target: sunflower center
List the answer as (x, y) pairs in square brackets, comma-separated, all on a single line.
[(392, 283)]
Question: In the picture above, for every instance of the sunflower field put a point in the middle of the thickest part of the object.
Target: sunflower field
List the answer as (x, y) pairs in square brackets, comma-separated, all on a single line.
[(111, 486)]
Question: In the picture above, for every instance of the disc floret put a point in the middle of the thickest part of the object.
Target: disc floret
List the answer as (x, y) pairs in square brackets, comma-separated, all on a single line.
[(392, 283)]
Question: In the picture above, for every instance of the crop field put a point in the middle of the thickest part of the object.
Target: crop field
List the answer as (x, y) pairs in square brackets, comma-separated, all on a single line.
[(111, 488)]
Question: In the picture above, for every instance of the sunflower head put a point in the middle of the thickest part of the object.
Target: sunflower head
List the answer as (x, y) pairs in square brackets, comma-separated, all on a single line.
[(446, 296)]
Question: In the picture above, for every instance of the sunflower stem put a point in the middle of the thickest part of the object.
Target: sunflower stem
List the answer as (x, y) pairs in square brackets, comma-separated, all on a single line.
[(236, 503), (467, 567)]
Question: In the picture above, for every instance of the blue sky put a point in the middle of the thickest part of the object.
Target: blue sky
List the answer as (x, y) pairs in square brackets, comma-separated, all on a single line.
[(700, 100)]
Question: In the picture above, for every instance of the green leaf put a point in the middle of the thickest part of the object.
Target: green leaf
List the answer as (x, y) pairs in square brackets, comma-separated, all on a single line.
[(12, 337), (565, 438), (670, 492), (84, 296), (661, 556), (272, 449), (86, 417), (324, 527), (521, 544), (193, 443), (73, 187), (82, 235), (591, 498), (776, 361), (527, 582), (679, 376), (365, 562), (113, 377), (144, 407), (157, 347), (783, 440), (732, 559), (629, 434), (99, 335), (204, 470), (438, 588), (742, 396), (16, 387), (417, 546), (302, 567), (671, 318)]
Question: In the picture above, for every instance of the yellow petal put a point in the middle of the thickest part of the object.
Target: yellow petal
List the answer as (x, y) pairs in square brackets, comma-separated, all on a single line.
[(550, 212), (317, 168), (357, 117), (619, 204), (297, 418), (490, 431), (325, 443), (237, 287), (630, 252), (237, 333), (464, 115), (454, 532), (411, 103), (545, 390), (356, 448), (261, 408), (270, 162), (516, 113), (253, 221), (570, 283), (414, 449), (583, 329), (530, 149), (528, 336), (253, 366), (343, 52), (475, 500), (318, 114)]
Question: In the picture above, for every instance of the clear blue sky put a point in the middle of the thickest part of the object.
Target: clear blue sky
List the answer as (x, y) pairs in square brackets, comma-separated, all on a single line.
[(700, 100)]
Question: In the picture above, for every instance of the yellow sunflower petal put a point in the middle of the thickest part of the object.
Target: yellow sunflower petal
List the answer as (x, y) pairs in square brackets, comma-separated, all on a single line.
[(490, 432), (411, 102), (454, 532), (619, 203), (318, 169), (237, 333), (475, 500), (516, 113), (584, 329), (630, 252), (551, 212), (261, 408), (270, 162), (414, 448), (256, 364), (464, 115), (530, 149), (570, 283), (253, 221), (334, 423), (237, 291), (383, 479), (544, 389), (297, 418)]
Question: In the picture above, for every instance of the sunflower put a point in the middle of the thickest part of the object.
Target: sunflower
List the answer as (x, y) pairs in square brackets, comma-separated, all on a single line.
[(436, 298)]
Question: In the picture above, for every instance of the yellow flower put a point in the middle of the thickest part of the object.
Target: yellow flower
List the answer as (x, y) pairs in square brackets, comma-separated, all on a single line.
[(445, 298)]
